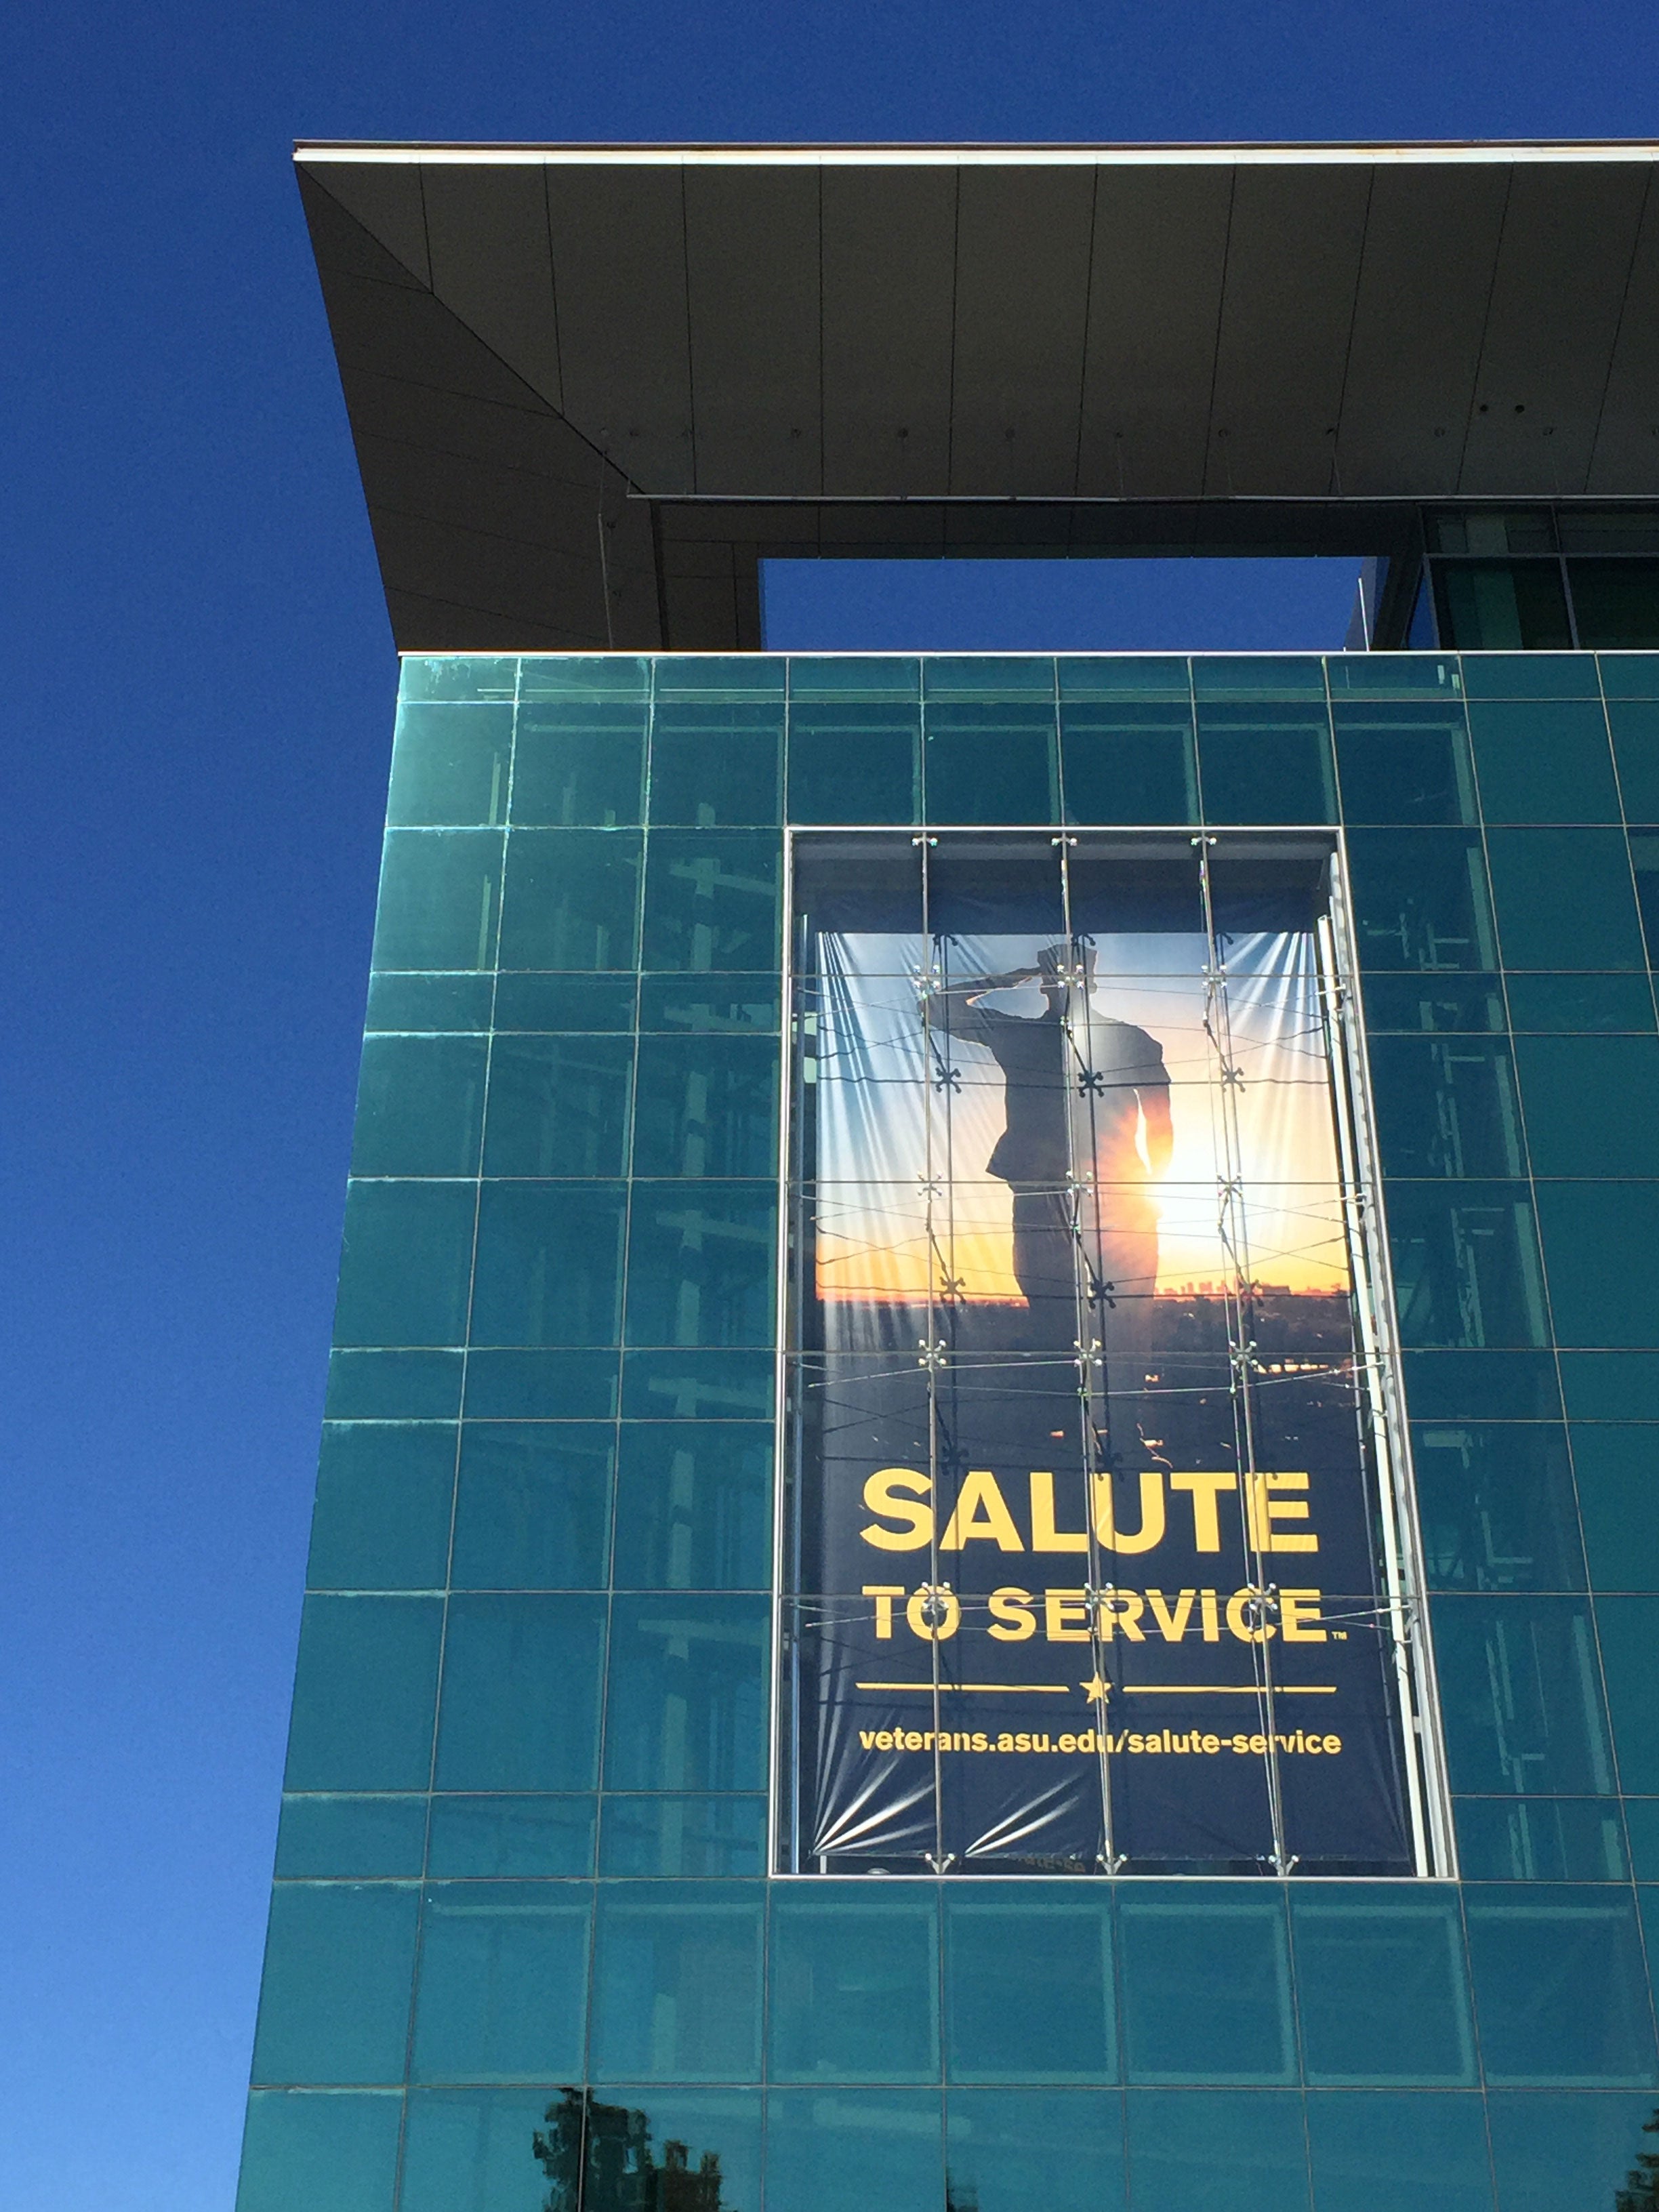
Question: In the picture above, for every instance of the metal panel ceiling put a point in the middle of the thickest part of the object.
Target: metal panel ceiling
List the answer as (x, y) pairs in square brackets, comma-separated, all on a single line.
[(1563, 264), (551, 350), (1424, 281), (888, 294), (1152, 340)]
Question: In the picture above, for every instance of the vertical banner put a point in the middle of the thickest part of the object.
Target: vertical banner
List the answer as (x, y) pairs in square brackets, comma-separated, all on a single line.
[(1085, 1564)]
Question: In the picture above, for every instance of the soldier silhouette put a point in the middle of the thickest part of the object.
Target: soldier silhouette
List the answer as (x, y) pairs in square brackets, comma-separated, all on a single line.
[(1079, 1088)]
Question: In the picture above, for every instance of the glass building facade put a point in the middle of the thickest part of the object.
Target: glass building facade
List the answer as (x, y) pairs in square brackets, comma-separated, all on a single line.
[(529, 1943)]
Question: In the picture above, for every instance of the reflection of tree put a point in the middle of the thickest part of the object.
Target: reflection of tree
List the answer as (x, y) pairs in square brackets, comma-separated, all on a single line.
[(599, 2159), (1641, 2191)]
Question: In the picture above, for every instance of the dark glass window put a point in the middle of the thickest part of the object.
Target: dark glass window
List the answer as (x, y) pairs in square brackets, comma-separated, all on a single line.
[(694, 1505), (449, 765), (1602, 1251), (1592, 1104), (1496, 1503), (571, 899), (711, 900), (1564, 899), (532, 1508), (382, 1520), (1521, 1697), (1559, 1987), (558, 1106), (1465, 1264), (1129, 760), (1543, 760), (1446, 1107), (1265, 760), (707, 1106), (1420, 899), (717, 761), (548, 1267)]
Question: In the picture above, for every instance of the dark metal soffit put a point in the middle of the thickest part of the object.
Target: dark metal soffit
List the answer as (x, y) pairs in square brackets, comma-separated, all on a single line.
[(590, 386)]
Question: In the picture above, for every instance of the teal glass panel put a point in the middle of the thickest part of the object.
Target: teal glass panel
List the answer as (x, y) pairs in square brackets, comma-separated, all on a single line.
[(710, 1004), (334, 2003), (564, 1002), (332, 2151), (1404, 1950), (677, 1982), (685, 1707), (694, 1506), (1007, 2150), (1641, 1836), (707, 1106), (420, 1106), (1220, 2151), (1028, 1985), (1629, 1630), (1521, 1697), (1530, 675), (1495, 1502), (990, 760), (382, 1520), (712, 900), (1565, 898), (1206, 1985), (417, 1002), (1257, 676), (662, 1838), (365, 1839), (1392, 676), (854, 2150), (700, 1264), (520, 1709), (718, 675), (1482, 1386), (393, 1386), (449, 765), (548, 1267), (405, 1259), (1403, 762), (1466, 1264), (1262, 762), (854, 1976), (1635, 726), (558, 1106), (461, 676), (1592, 1104), (503, 1973), (571, 899), (717, 763), (525, 1837), (1630, 675), (1394, 2149), (1123, 676), (1420, 899), (1540, 1839), (1602, 1251), (573, 676), (854, 757), (363, 1691), (1580, 1004), (1559, 1987), (1644, 867), (1129, 760), (1449, 1005), (1611, 1386), (579, 763), (475, 2150), (532, 1507), (1615, 603), (440, 900), (1544, 760), (1446, 1107), (987, 675), (643, 2147), (1570, 2148), (541, 1386), (1618, 1476), (692, 1386)]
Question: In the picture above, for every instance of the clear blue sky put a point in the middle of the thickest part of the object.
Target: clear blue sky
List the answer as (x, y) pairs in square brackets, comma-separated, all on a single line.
[(197, 692)]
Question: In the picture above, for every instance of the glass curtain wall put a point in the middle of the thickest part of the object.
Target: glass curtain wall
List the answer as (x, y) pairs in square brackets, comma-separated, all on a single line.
[(524, 1949)]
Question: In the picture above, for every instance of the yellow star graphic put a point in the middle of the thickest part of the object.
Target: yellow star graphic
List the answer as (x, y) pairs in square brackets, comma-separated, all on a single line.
[(1096, 1691)]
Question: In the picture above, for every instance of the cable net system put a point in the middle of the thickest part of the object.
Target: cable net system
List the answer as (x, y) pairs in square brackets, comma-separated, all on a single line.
[(1097, 1546)]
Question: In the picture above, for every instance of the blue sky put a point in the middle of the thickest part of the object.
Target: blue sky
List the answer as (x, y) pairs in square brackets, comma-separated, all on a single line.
[(198, 681)]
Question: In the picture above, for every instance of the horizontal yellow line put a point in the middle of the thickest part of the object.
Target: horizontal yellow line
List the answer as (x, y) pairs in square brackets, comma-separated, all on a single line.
[(949, 1689), (1227, 1689)]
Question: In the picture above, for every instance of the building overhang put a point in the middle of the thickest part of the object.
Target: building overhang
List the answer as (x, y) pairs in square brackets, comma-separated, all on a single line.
[(592, 386)]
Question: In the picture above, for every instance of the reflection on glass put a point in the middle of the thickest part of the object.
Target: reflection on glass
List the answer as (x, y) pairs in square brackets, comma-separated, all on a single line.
[(601, 2158)]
